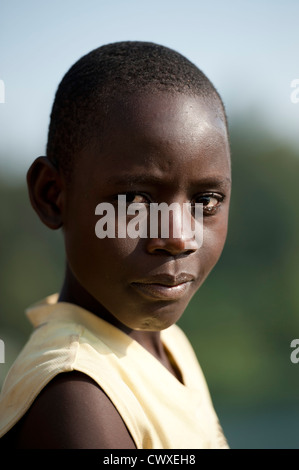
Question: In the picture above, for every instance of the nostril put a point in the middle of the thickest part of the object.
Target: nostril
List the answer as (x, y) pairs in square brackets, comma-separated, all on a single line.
[(174, 254), (164, 252), (170, 246)]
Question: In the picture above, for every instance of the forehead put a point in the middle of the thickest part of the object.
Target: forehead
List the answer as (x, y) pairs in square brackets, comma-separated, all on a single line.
[(161, 133), (163, 116)]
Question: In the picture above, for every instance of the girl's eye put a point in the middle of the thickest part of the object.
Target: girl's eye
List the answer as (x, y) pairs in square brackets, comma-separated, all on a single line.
[(136, 198), (210, 201)]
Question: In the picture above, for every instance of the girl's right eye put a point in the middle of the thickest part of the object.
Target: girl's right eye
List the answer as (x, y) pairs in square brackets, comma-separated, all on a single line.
[(137, 198)]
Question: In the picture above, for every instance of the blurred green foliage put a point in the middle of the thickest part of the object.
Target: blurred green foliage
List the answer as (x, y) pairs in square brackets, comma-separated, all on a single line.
[(242, 320)]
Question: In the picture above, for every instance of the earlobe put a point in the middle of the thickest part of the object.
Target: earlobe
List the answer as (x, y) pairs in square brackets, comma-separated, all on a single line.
[(46, 192)]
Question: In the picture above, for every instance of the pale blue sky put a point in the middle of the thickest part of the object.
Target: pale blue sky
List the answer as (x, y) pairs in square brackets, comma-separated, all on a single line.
[(249, 49)]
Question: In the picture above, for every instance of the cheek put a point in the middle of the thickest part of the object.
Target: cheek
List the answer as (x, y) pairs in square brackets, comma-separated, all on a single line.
[(95, 260)]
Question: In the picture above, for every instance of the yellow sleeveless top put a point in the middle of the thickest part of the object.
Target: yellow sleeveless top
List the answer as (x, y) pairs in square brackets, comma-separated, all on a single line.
[(159, 411)]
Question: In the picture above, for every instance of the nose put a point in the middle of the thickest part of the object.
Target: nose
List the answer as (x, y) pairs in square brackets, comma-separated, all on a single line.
[(173, 237), (170, 246)]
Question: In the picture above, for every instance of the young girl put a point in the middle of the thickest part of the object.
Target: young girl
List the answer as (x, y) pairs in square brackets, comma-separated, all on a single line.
[(106, 366)]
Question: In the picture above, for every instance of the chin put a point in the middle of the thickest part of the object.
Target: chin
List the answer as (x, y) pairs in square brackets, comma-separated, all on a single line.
[(158, 321)]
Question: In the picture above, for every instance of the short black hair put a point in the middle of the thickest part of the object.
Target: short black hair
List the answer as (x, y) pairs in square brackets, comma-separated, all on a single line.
[(117, 69)]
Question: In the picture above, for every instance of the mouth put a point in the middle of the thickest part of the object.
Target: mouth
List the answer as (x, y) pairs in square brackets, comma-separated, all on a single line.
[(164, 286)]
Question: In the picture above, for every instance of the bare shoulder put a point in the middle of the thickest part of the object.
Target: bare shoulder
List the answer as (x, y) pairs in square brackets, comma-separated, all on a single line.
[(73, 412)]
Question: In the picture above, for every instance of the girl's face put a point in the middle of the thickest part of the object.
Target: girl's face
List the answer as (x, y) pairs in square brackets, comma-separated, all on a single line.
[(160, 148)]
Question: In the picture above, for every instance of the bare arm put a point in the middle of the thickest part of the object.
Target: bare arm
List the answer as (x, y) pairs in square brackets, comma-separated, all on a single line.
[(73, 412)]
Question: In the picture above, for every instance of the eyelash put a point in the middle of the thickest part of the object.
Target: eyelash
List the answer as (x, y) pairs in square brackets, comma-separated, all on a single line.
[(207, 211), (213, 209)]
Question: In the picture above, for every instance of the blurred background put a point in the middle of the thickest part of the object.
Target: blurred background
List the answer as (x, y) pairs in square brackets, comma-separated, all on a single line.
[(243, 319)]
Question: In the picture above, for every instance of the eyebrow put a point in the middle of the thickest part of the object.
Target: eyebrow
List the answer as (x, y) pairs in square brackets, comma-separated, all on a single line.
[(152, 180), (135, 179)]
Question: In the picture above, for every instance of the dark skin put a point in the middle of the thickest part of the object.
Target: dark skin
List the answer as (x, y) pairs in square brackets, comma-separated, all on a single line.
[(160, 148)]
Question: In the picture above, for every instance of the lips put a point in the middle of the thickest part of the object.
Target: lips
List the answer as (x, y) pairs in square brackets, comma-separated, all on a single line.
[(164, 286)]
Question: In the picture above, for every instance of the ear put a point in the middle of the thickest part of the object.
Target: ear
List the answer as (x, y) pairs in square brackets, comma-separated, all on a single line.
[(45, 188)]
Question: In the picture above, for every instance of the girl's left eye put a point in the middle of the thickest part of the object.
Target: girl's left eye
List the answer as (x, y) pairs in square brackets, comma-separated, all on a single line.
[(210, 201)]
